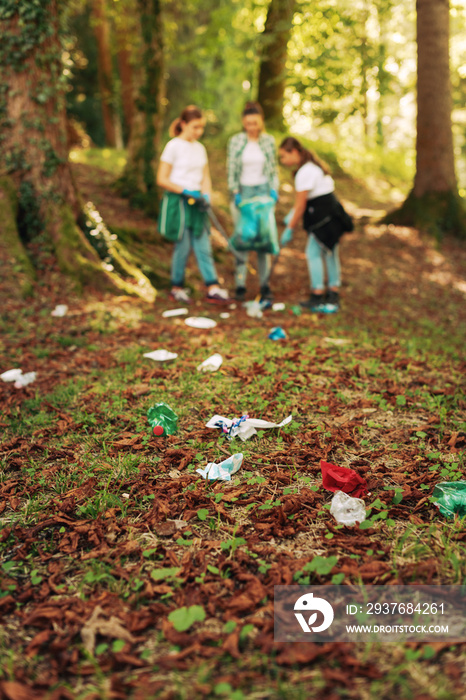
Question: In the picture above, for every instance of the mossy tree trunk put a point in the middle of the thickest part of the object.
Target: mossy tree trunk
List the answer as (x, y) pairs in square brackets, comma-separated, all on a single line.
[(138, 181), (37, 191), (434, 203), (272, 72)]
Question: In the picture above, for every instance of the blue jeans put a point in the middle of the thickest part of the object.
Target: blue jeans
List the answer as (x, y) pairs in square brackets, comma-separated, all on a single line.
[(202, 251), (263, 259), (317, 256)]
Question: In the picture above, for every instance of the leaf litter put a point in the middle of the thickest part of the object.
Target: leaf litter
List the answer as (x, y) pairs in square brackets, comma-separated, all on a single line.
[(90, 574)]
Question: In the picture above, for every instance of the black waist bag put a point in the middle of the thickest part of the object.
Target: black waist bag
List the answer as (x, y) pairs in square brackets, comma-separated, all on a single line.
[(326, 218)]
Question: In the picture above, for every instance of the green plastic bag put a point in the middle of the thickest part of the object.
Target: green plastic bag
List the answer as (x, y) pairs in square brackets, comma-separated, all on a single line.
[(256, 228), (451, 498)]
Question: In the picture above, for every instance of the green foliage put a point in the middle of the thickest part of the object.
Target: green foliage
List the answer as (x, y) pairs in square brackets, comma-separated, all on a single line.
[(35, 29), (184, 618)]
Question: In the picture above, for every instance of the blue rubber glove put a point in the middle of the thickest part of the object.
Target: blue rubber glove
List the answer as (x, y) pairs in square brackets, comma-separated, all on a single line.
[(237, 199), (274, 195), (288, 217), (206, 197), (192, 193), (287, 236)]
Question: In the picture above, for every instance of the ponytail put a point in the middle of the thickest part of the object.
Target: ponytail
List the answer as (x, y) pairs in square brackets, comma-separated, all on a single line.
[(307, 156), (187, 115)]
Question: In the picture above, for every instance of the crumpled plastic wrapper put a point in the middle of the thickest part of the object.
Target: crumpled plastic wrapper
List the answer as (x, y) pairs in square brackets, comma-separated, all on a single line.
[(223, 471), (17, 376), (244, 427), (336, 478)]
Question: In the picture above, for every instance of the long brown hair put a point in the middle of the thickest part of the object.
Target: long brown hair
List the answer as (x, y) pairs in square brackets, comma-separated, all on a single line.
[(291, 144), (187, 115)]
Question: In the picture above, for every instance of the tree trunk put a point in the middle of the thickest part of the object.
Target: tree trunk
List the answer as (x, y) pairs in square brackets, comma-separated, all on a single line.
[(138, 181), (125, 70), (272, 73), (435, 167), (104, 58), (38, 199), (434, 203)]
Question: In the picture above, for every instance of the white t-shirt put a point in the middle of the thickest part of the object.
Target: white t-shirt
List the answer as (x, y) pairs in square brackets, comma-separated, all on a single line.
[(188, 160), (312, 179), (253, 161)]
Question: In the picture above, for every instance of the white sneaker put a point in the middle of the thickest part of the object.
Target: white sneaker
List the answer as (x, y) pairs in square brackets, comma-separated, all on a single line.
[(217, 295)]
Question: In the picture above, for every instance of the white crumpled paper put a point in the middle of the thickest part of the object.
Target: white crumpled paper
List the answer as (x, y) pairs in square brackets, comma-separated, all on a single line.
[(212, 364), (161, 355), (223, 471), (243, 427)]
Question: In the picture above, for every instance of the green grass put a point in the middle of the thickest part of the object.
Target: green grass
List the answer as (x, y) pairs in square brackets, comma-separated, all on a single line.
[(111, 159)]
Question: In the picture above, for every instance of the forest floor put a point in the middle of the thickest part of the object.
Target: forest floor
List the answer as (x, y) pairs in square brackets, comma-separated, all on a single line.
[(106, 531)]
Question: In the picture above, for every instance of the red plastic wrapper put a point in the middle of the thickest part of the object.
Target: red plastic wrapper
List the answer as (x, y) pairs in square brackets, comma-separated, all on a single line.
[(336, 478)]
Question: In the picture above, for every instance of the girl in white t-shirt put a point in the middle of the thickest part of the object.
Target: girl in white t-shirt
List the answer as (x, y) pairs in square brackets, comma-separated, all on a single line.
[(252, 172), (315, 204), (184, 173)]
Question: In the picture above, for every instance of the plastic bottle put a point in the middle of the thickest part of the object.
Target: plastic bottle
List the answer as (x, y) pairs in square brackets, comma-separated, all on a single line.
[(347, 510), (162, 419), (451, 498)]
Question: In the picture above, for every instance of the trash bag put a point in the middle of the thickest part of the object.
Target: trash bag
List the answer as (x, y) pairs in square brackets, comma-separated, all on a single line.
[(256, 228)]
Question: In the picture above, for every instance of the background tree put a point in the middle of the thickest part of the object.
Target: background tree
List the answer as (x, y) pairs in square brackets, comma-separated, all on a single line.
[(272, 73), (138, 181), (105, 73), (40, 206), (434, 202)]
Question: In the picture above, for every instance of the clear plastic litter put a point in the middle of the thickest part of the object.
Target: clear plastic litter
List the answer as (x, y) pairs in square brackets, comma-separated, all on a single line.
[(243, 427), (347, 510), (277, 333), (174, 312), (162, 419), (161, 355), (211, 364), (278, 306), (451, 498), (200, 322), (253, 309), (225, 314), (60, 310), (224, 470)]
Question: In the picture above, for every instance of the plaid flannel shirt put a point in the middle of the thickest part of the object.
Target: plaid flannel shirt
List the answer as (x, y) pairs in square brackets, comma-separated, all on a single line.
[(236, 146)]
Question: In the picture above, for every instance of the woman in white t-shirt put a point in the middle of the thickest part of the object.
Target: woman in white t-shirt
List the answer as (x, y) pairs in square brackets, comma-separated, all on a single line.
[(184, 175), (317, 206), (252, 172)]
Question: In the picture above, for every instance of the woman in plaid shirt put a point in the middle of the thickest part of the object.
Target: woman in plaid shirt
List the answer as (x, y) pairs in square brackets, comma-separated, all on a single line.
[(252, 171)]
